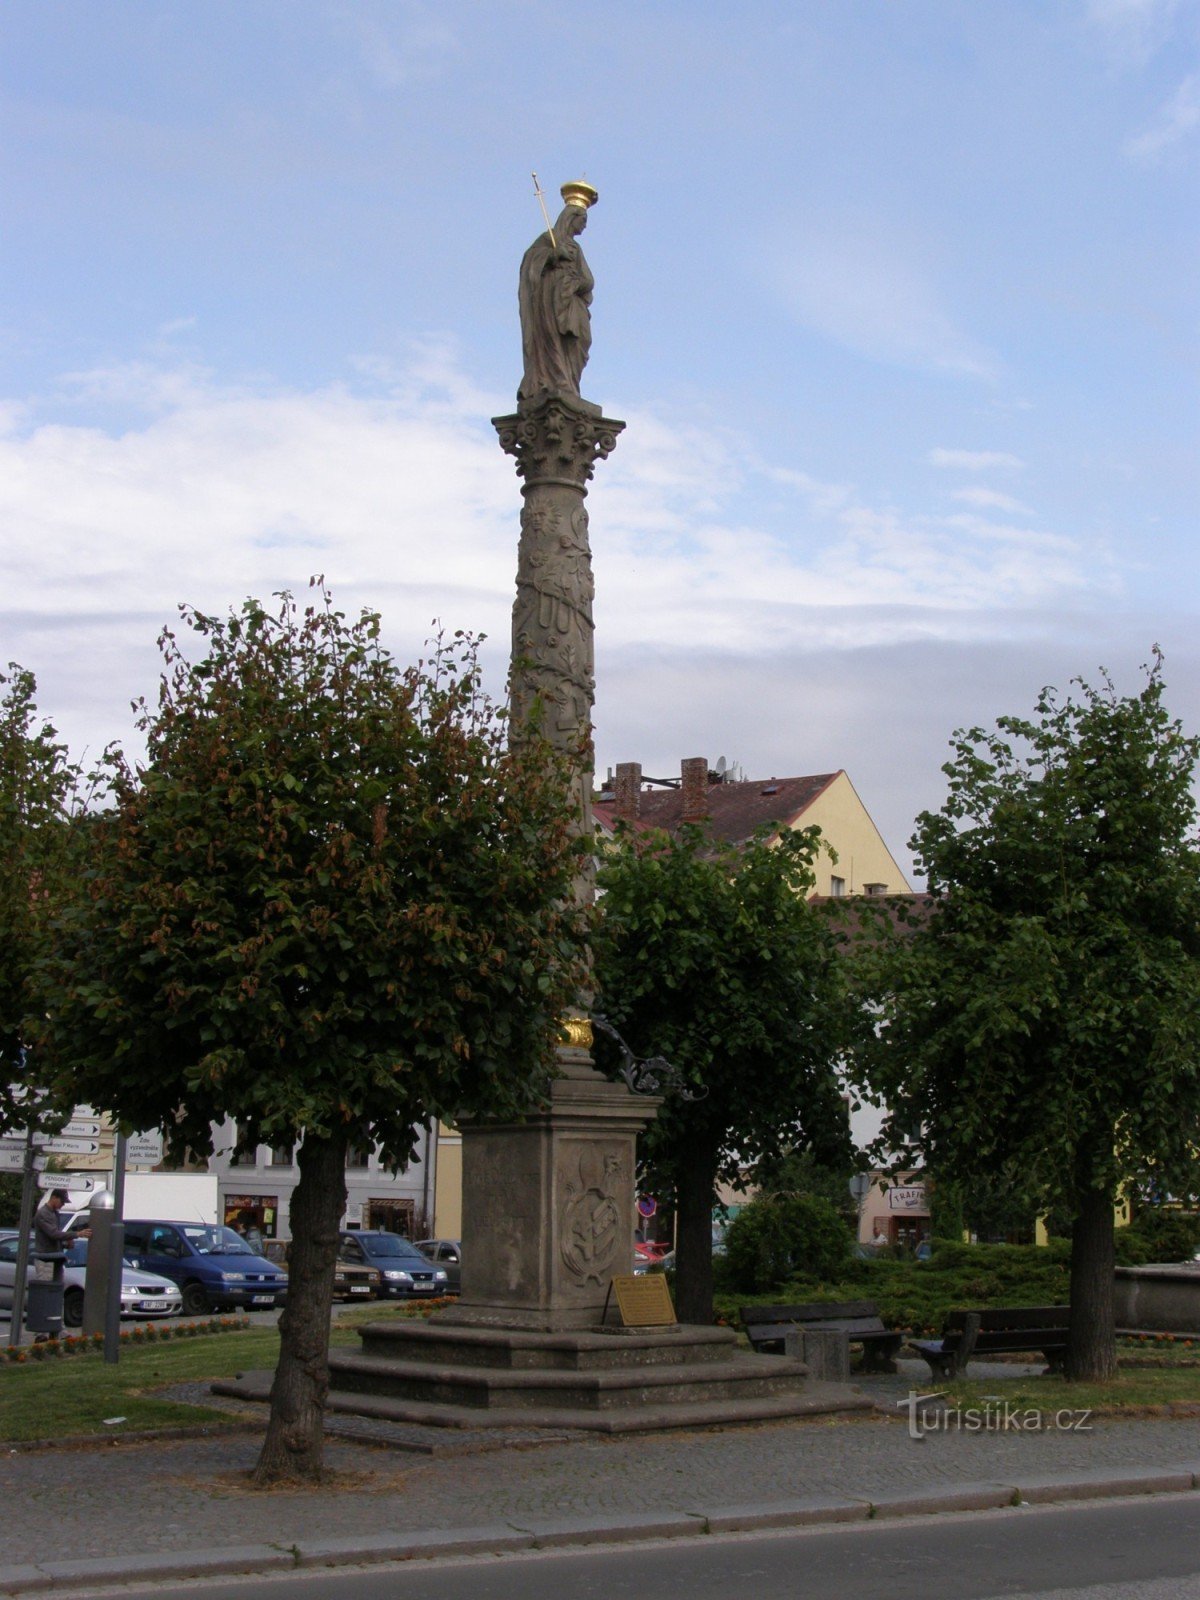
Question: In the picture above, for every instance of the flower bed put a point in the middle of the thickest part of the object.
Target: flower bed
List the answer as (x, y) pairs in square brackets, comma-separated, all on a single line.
[(80, 1344)]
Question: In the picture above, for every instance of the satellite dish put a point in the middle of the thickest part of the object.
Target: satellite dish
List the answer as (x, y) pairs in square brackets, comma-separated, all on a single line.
[(721, 763)]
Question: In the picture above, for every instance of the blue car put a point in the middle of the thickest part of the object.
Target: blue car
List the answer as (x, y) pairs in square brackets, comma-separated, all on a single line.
[(214, 1267)]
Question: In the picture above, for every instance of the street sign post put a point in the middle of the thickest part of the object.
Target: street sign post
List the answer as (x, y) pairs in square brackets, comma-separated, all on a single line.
[(12, 1159), (144, 1149), (53, 1145), (73, 1182), (80, 1128)]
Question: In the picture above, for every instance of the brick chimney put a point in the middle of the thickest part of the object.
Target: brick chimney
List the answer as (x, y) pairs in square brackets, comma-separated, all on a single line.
[(694, 771), (627, 790)]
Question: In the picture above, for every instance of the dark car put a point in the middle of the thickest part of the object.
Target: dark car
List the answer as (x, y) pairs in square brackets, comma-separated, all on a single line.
[(404, 1273), (213, 1266), (446, 1253), (350, 1280)]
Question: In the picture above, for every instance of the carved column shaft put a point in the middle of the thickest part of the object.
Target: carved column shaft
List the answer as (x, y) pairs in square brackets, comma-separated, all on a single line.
[(557, 440), (548, 1203)]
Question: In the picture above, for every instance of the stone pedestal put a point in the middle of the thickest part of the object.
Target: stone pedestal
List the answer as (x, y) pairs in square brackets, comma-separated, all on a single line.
[(548, 1208)]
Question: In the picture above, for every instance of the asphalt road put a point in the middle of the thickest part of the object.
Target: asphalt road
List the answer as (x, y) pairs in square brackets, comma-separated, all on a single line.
[(1119, 1550)]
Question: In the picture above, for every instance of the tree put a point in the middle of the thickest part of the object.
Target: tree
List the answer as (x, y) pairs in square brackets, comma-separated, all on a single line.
[(711, 956), (332, 904), (37, 783), (1045, 1018)]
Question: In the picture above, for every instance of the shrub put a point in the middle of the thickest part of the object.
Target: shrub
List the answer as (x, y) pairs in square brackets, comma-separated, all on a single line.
[(783, 1236), (1161, 1234)]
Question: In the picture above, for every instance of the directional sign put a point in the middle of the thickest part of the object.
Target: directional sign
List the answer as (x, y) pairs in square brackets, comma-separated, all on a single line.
[(75, 1182), (14, 1160), (81, 1128), (67, 1147)]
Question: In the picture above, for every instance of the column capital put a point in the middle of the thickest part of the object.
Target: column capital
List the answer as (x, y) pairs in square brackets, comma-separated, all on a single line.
[(557, 438)]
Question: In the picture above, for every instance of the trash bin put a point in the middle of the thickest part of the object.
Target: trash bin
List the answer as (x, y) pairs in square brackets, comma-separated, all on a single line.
[(44, 1301)]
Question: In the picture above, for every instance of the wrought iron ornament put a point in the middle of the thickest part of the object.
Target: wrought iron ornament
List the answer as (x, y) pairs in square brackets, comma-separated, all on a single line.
[(649, 1074)]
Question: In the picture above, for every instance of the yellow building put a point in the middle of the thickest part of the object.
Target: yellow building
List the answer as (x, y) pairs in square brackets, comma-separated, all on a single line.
[(733, 810)]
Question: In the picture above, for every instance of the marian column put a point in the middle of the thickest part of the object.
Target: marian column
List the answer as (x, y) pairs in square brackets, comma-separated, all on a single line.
[(548, 1203)]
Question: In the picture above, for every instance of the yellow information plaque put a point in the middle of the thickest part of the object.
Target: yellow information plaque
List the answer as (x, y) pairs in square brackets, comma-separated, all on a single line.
[(644, 1301)]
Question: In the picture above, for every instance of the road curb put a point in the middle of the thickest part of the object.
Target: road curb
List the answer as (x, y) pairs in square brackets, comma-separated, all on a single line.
[(812, 1511)]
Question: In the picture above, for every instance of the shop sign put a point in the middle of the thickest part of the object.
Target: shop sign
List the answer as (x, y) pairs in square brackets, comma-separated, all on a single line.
[(907, 1197)]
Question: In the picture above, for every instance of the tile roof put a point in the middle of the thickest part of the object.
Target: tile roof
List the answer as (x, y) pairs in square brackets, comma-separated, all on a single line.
[(735, 809)]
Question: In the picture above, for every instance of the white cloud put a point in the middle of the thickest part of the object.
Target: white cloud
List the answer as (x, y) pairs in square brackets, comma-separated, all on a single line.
[(873, 295), (973, 460), (1178, 118), (1133, 30), (988, 500), (397, 491)]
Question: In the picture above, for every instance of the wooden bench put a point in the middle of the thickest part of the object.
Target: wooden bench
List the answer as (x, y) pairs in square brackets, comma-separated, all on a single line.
[(767, 1326), (998, 1331)]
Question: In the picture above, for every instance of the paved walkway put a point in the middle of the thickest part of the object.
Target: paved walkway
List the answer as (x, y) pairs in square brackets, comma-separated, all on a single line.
[(187, 1498)]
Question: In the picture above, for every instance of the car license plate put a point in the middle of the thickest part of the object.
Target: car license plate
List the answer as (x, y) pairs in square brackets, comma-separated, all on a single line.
[(360, 1288), (262, 1299), (155, 1305)]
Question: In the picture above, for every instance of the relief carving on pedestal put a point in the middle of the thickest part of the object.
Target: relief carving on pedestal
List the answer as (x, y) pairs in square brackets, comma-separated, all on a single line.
[(589, 1224)]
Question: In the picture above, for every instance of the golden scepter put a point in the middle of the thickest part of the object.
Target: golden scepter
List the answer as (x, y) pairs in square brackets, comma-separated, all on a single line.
[(537, 189)]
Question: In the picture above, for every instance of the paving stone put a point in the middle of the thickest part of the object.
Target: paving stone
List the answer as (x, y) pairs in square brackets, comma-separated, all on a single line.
[(353, 1550), (811, 1509), (1103, 1483), (613, 1530), (929, 1502)]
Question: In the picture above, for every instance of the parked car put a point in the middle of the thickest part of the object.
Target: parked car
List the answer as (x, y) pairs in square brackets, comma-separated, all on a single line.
[(351, 1281), (143, 1294), (404, 1272), (661, 1264), (214, 1267), (445, 1253)]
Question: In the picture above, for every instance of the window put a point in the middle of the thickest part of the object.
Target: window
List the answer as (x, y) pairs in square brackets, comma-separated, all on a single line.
[(837, 886), (283, 1155), (874, 888), (357, 1155), (243, 1155)]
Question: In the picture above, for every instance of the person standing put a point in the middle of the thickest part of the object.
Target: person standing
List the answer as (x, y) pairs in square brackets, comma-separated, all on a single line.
[(49, 1235)]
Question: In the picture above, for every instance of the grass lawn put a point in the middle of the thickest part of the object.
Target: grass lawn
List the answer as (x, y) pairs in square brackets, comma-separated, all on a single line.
[(1128, 1392), (73, 1394)]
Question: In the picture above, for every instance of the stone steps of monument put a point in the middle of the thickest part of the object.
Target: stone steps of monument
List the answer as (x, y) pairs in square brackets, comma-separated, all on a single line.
[(816, 1400), (748, 1377), (443, 1343)]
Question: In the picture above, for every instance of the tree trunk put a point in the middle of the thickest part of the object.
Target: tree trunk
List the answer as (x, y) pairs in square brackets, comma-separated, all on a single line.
[(693, 1236), (1091, 1339), (295, 1441)]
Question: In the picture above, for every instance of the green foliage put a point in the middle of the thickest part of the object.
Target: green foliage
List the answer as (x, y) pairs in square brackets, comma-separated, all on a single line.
[(10, 1199), (36, 788), (782, 1236), (802, 1172), (1045, 1018), (919, 1294), (1159, 1233), (711, 956), (333, 899)]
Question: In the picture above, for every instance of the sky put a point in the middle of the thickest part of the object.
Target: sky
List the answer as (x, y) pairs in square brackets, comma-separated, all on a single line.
[(898, 299)]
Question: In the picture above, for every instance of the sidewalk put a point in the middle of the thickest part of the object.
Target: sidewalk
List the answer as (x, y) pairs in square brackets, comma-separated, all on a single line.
[(180, 1505)]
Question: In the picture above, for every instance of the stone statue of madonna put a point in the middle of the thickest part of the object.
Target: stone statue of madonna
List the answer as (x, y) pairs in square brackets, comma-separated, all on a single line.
[(554, 295)]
